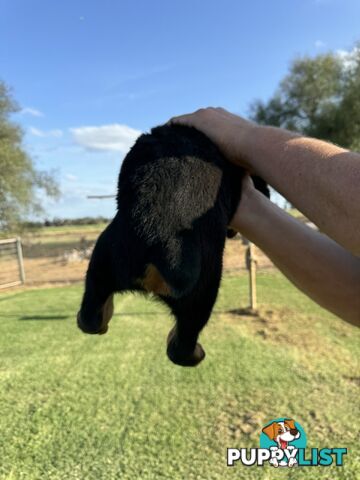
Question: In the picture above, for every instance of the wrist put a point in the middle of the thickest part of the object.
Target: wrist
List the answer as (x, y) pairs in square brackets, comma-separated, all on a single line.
[(249, 211), (245, 142), (250, 145)]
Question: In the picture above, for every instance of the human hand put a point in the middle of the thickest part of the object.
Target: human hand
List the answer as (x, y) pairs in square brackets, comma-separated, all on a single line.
[(231, 133)]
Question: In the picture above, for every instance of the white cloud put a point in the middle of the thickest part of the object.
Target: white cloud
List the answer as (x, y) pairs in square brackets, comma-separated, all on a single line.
[(320, 44), (31, 111), (113, 137), (42, 133), (71, 177)]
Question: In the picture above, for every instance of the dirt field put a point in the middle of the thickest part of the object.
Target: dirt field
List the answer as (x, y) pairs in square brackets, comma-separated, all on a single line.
[(60, 255), (62, 270)]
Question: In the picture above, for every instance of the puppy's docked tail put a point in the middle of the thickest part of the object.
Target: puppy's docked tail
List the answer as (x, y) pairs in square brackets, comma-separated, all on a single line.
[(175, 267)]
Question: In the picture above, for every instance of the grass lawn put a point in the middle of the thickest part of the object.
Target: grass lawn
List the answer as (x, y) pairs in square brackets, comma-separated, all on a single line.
[(113, 407)]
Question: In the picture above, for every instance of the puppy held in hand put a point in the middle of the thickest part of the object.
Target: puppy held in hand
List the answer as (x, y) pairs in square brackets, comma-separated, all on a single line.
[(176, 197)]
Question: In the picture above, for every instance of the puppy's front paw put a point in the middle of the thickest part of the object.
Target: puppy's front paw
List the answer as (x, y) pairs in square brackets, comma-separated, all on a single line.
[(180, 355)]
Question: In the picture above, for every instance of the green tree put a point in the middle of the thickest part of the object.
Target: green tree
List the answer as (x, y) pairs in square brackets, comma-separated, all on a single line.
[(319, 97), (20, 182)]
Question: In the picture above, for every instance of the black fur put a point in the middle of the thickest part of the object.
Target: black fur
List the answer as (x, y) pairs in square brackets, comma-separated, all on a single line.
[(176, 197)]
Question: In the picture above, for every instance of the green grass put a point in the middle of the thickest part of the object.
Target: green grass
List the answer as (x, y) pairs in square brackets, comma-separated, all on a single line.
[(113, 407)]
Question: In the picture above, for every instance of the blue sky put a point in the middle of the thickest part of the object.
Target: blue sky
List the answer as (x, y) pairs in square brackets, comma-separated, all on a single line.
[(90, 75)]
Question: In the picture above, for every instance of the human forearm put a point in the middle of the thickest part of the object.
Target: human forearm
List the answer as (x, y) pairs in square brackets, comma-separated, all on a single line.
[(313, 262), (320, 179)]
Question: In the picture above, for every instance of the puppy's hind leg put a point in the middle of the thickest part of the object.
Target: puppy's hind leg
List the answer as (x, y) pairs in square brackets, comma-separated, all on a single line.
[(189, 286), (192, 313)]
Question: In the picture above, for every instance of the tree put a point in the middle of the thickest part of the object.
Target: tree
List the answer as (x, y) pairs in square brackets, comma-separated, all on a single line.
[(20, 182), (320, 97)]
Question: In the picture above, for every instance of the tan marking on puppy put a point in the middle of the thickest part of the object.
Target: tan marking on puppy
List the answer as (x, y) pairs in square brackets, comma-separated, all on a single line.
[(107, 313), (154, 282)]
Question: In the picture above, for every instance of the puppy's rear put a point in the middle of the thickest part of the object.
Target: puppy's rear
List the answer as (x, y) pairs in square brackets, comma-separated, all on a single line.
[(176, 196)]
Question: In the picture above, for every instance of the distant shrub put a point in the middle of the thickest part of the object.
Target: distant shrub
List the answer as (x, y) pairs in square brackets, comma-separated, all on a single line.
[(59, 222)]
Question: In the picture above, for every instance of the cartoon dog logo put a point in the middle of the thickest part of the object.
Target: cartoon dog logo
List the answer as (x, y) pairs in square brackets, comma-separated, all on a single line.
[(282, 433)]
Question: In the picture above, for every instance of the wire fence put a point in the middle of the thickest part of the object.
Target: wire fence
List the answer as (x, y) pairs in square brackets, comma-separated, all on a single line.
[(61, 257)]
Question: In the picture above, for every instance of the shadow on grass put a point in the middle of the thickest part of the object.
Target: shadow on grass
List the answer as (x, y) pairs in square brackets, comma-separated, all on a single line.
[(44, 317), (247, 312), (36, 317)]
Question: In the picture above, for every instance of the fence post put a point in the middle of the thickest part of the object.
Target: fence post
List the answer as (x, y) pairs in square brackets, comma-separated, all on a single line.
[(251, 263), (20, 259)]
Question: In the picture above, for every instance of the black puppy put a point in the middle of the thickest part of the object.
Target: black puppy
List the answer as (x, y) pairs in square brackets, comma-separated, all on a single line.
[(176, 197)]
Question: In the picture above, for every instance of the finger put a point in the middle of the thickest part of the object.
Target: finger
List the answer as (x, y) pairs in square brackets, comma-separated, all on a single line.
[(192, 118), (180, 119), (221, 110)]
